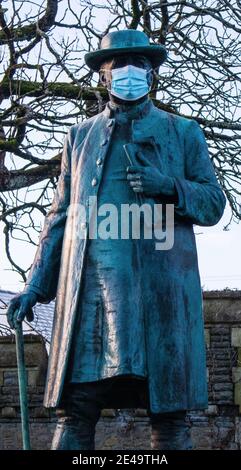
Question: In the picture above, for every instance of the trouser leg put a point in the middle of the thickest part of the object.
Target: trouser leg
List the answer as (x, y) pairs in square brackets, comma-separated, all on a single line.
[(73, 434), (170, 431), (78, 414)]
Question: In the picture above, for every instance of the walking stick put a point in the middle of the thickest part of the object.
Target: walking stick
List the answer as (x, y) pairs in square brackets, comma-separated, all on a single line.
[(22, 381)]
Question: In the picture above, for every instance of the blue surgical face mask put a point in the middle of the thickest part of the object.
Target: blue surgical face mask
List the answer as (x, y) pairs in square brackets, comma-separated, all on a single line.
[(129, 83)]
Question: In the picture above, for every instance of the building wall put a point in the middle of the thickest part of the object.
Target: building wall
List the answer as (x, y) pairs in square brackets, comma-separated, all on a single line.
[(219, 427)]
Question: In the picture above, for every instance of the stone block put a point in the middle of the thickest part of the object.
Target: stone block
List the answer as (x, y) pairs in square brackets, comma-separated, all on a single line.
[(239, 356), (238, 431), (139, 412), (8, 412), (223, 434), (220, 331), (220, 344), (202, 437), (35, 398), (236, 337), (33, 377), (236, 374), (221, 397), (108, 413), (39, 412), (220, 378), (221, 371), (224, 422), (220, 309), (212, 410), (237, 395), (10, 378), (35, 352), (223, 387), (228, 411)]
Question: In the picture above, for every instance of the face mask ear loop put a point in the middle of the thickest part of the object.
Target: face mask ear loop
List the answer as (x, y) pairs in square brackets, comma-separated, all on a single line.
[(148, 73), (156, 72)]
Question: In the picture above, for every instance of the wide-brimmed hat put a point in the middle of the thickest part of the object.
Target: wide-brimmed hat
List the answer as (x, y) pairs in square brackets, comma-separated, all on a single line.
[(127, 41)]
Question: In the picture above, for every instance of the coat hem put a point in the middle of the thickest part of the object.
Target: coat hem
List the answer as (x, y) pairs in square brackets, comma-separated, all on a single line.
[(174, 409), (178, 407), (117, 372)]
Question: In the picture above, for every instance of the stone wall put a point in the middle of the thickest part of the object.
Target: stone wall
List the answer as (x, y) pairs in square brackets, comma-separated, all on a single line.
[(219, 427)]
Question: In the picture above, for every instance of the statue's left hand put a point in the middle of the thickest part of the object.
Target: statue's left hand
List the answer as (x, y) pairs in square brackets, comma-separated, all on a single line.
[(149, 180), (20, 307)]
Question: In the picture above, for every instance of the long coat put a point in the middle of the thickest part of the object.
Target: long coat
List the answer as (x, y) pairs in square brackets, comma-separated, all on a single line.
[(177, 336)]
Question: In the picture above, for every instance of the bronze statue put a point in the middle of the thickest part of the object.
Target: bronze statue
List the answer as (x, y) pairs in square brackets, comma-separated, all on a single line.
[(128, 326)]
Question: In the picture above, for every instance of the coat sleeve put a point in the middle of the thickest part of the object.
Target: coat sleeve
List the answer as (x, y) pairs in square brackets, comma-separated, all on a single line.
[(200, 197), (44, 273)]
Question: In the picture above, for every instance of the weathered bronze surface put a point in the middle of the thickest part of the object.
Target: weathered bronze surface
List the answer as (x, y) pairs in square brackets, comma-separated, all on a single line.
[(173, 328)]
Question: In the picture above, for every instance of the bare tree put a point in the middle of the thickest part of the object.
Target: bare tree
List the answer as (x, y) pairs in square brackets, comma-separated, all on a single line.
[(45, 87)]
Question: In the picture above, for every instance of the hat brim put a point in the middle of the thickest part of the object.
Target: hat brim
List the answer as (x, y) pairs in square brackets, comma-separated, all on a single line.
[(157, 54)]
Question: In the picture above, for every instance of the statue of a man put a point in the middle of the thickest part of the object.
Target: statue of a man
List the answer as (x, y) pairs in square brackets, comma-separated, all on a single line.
[(128, 325)]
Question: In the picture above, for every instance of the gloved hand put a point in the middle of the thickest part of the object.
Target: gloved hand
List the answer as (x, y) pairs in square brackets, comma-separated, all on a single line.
[(147, 179), (20, 307)]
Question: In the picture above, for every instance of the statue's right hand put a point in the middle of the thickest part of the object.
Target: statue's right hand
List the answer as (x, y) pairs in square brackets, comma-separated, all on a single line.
[(20, 307)]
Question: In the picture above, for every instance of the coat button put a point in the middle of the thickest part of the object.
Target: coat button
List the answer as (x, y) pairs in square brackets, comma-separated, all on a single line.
[(83, 225), (110, 123), (94, 181), (99, 161), (104, 142)]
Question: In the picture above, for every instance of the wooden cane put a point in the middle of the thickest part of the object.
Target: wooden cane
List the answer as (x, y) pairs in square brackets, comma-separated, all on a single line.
[(22, 381)]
